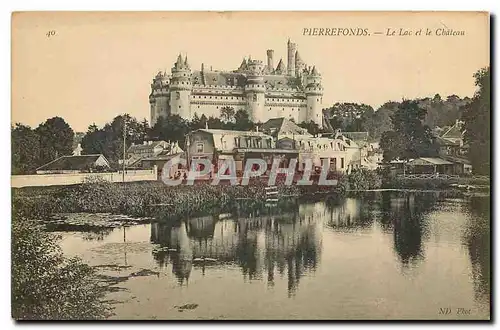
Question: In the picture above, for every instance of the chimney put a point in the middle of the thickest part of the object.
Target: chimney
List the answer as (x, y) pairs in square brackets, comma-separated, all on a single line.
[(150, 142), (270, 61), (145, 143), (256, 128)]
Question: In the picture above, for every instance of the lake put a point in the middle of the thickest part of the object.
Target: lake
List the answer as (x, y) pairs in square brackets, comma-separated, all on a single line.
[(380, 255)]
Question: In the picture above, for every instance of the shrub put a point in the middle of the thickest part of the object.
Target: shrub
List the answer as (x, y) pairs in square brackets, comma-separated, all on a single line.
[(363, 179), (46, 285)]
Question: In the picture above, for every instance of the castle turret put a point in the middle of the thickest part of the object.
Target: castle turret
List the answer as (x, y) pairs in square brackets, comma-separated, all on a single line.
[(270, 60), (180, 89), (159, 99), (255, 90), (292, 48), (299, 65), (314, 94)]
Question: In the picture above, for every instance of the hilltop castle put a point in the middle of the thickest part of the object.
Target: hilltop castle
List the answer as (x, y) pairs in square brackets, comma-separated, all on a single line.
[(293, 91)]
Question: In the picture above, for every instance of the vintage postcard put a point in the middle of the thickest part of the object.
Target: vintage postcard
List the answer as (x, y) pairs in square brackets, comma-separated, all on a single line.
[(251, 166)]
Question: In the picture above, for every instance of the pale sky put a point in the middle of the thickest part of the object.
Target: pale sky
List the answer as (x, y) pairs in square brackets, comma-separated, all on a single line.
[(99, 65)]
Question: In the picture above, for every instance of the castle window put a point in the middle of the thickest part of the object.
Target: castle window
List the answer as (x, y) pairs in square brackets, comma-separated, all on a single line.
[(199, 147), (179, 106)]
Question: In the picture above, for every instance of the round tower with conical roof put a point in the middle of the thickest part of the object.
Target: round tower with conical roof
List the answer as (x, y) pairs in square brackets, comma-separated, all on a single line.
[(180, 88), (314, 94), (255, 90), (159, 99)]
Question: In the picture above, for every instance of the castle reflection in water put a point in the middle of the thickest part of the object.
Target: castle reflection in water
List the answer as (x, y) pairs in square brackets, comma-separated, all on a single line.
[(287, 243), (265, 246)]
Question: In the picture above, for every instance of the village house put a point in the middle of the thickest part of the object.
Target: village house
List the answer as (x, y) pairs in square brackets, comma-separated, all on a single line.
[(452, 148), (171, 151), (136, 152), (217, 145), (341, 153), (75, 164)]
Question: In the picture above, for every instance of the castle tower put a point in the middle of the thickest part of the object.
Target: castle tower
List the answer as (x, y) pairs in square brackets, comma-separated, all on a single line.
[(314, 94), (299, 65), (255, 91), (159, 99), (180, 89), (292, 48), (270, 60)]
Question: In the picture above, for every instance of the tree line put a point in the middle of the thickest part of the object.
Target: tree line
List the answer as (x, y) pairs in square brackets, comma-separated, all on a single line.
[(403, 128), (355, 117), (410, 135)]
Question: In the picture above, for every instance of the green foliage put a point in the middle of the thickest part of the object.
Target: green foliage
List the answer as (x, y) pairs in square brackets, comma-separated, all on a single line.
[(311, 126), (25, 142), (170, 128), (363, 179), (227, 114), (410, 138), (354, 117), (45, 284), (56, 139), (349, 117), (477, 120)]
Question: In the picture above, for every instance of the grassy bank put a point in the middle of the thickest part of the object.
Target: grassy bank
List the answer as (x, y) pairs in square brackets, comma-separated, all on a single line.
[(149, 198), (434, 183)]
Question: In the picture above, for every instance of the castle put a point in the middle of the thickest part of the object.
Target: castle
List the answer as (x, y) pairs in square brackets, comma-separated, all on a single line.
[(293, 91)]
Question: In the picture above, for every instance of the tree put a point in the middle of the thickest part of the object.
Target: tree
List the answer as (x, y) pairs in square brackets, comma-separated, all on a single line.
[(349, 117), (198, 122), (391, 145), (109, 140), (215, 123), (227, 114), (311, 127), (242, 121), (410, 137), (477, 124), (170, 128), (25, 146), (56, 139)]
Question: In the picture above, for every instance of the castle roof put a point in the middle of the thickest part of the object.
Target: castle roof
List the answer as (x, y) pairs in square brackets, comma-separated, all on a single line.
[(280, 69), (219, 78), (298, 59)]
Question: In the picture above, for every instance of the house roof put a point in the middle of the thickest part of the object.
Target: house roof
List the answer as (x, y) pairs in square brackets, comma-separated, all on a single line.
[(356, 136), (447, 141), (82, 162), (137, 147), (230, 132), (282, 125), (453, 132), (429, 161)]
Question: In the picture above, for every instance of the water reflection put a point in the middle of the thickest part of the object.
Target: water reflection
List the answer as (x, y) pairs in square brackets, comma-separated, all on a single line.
[(408, 243), (262, 247), (477, 239)]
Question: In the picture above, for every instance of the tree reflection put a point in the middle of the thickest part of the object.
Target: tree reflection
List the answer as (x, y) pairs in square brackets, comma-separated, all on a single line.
[(259, 245), (406, 214), (477, 240)]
